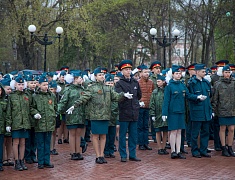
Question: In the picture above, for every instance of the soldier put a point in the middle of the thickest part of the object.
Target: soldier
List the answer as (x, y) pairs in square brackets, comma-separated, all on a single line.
[(99, 98), (155, 112), (75, 122), (223, 105), (18, 121), (147, 87), (44, 108), (128, 111), (200, 112)]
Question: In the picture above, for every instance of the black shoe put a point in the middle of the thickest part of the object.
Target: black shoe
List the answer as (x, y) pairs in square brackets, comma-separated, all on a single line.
[(183, 151), (181, 156), (197, 155), (107, 156), (40, 166), (225, 151), (1, 168), (208, 151), (112, 156), (79, 156), (147, 147), (218, 149), (168, 146), (104, 160), (74, 156), (84, 148), (49, 165), (165, 151), (206, 155), (10, 163), (29, 161), (98, 160), (123, 160), (66, 141), (59, 141), (174, 155), (23, 165), (160, 152), (134, 159), (18, 166), (230, 151), (35, 160), (54, 152), (141, 147)]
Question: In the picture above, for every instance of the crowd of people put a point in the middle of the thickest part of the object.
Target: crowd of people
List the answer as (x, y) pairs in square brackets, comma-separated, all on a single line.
[(178, 104)]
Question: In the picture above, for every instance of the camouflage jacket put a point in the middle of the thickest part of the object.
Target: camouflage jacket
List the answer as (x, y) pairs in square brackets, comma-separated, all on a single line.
[(3, 105), (18, 111), (30, 94), (45, 104), (71, 94), (99, 98)]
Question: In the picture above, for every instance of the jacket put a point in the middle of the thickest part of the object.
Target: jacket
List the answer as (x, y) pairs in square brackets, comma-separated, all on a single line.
[(147, 88), (45, 104), (129, 108), (30, 94), (3, 106)]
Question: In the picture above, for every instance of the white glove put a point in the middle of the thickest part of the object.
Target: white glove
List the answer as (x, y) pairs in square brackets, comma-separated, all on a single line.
[(164, 118), (37, 116), (141, 103), (128, 95), (70, 110), (201, 97), (8, 129), (212, 115), (153, 118)]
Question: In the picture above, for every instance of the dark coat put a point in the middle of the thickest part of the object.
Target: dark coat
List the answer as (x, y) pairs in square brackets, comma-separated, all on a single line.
[(129, 108)]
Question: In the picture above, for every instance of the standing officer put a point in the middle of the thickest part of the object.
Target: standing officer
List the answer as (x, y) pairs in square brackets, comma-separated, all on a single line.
[(128, 111), (200, 112)]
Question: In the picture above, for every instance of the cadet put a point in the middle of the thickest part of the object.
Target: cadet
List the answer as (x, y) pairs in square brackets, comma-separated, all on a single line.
[(200, 112), (174, 110), (223, 102), (99, 96), (18, 121), (30, 143), (75, 122), (3, 105), (44, 108), (155, 112)]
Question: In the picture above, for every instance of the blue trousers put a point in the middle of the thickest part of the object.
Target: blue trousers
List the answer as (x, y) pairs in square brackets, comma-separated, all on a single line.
[(131, 126), (1, 148), (217, 143), (30, 146), (110, 139), (188, 131), (201, 127), (43, 147), (143, 128)]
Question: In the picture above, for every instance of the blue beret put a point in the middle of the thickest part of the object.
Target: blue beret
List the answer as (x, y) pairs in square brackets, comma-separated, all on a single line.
[(155, 64), (125, 64), (15, 72), (175, 68), (43, 79), (222, 63), (63, 73), (19, 79), (159, 77), (53, 84), (226, 68), (36, 78), (76, 73), (50, 74), (109, 77), (6, 82), (142, 67), (118, 74), (200, 66), (30, 77)]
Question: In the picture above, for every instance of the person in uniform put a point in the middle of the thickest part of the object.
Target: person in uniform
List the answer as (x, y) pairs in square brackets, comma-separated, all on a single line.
[(200, 112), (44, 108), (173, 110), (128, 111), (18, 121), (99, 98), (147, 87), (75, 122), (223, 101), (155, 112)]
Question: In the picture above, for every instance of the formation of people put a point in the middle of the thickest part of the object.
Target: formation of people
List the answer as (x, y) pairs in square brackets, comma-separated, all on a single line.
[(178, 104)]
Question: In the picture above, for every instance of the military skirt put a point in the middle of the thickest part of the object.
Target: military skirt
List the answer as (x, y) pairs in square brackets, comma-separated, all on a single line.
[(21, 133), (176, 121), (99, 126), (226, 121), (75, 126)]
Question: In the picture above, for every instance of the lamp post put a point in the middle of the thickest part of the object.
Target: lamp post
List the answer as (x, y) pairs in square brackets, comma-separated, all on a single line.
[(44, 40), (165, 41)]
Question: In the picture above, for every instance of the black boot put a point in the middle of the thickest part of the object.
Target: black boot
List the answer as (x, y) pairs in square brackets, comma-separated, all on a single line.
[(18, 166), (225, 151), (79, 156), (74, 156), (230, 151), (23, 165)]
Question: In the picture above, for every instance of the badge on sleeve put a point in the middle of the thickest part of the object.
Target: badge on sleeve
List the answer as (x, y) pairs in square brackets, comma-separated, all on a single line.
[(100, 91), (50, 101)]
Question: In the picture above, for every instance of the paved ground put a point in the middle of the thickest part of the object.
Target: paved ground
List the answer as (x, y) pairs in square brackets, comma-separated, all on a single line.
[(152, 166)]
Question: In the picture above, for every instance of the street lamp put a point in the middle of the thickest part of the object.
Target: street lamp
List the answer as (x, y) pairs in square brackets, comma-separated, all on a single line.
[(44, 40), (165, 41)]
